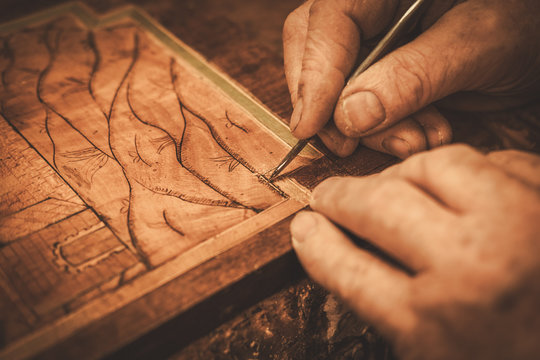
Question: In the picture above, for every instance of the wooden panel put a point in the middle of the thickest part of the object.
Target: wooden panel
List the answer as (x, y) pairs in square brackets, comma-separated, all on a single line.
[(242, 39), (126, 162)]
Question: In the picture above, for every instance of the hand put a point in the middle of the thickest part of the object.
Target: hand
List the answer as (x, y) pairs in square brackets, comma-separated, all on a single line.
[(477, 54), (466, 224)]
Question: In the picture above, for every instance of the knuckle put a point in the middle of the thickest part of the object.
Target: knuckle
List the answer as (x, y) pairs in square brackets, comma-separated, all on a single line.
[(489, 20), (415, 136), (456, 153), (312, 64), (345, 194), (348, 288), (451, 160), (410, 68), (288, 31), (291, 26), (326, 192), (319, 7), (363, 13), (385, 191), (321, 57), (417, 164)]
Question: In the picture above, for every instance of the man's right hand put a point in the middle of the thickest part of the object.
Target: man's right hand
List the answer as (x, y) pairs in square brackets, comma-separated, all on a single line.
[(487, 47)]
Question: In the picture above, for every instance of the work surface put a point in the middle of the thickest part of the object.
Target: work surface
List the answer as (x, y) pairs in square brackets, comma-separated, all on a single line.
[(75, 193)]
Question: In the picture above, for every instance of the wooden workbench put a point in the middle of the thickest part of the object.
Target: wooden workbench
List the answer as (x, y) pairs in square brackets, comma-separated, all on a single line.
[(268, 309)]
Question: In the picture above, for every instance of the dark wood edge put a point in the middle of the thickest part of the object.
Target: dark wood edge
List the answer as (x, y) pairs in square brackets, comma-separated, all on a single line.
[(172, 316)]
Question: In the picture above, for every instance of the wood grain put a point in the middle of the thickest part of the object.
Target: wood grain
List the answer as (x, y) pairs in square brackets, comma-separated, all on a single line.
[(161, 160), (243, 40)]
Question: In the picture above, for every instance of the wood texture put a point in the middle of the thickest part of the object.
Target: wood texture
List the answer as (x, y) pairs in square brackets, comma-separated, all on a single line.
[(153, 164), (243, 39)]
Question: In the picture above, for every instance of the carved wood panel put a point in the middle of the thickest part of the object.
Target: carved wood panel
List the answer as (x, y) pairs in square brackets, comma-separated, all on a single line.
[(126, 160)]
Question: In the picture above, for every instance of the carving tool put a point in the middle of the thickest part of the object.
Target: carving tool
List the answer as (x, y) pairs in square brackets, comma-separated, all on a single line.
[(382, 47)]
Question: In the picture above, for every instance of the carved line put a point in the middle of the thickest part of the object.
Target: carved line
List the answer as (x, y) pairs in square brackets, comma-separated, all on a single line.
[(233, 123), (45, 227), (170, 225), (67, 307), (126, 74), (262, 179), (138, 153), (141, 254), (40, 202), (44, 73), (95, 66), (196, 200), (53, 48)]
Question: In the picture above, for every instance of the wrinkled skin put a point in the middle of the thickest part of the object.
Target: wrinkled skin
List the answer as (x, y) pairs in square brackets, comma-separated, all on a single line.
[(465, 223), (475, 54)]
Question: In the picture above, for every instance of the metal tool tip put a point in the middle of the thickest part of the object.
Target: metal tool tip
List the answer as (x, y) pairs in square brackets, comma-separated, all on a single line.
[(288, 158), (276, 172)]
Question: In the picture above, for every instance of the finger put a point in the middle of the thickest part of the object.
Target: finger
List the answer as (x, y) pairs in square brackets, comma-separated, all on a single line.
[(391, 213), (435, 126), (436, 10), (294, 40), (424, 130), (522, 165), (459, 177), (455, 54), (377, 291), (402, 140), (331, 47), (336, 142)]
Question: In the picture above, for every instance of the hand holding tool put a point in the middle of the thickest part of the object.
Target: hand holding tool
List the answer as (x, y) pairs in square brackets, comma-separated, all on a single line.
[(382, 47)]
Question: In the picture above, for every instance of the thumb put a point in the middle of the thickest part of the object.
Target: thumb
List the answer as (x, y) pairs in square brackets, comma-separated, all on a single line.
[(332, 42), (377, 291), (455, 54)]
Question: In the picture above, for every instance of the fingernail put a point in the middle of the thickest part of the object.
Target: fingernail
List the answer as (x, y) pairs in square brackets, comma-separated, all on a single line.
[(296, 115), (302, 226), (433, 135), (363, 111), (397, 146)]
